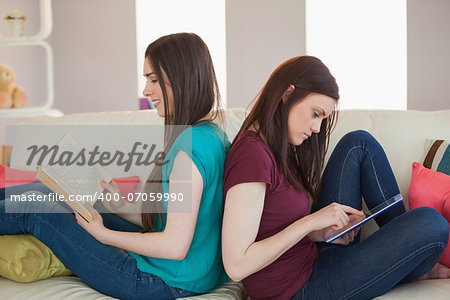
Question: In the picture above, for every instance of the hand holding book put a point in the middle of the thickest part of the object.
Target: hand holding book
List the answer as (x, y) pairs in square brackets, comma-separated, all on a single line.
[(78, 183), (95, 226)]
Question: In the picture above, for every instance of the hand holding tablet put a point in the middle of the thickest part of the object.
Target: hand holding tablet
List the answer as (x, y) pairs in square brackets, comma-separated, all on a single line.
[(357, 221)]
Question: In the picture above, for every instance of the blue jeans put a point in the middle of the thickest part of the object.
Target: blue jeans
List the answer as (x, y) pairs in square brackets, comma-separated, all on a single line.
[(107, 269), (407, 245)]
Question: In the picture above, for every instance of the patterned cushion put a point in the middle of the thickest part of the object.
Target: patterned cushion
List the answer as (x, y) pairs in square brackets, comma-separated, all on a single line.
[(438, 157)]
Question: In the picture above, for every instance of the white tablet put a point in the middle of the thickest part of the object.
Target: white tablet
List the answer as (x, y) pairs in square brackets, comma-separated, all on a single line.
[(361, 220)]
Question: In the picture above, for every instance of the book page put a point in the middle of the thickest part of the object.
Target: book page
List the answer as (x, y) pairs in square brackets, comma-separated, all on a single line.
[(79, 179)]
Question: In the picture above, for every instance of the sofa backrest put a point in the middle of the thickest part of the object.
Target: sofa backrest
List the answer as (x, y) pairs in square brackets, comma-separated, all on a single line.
[(405, 135)]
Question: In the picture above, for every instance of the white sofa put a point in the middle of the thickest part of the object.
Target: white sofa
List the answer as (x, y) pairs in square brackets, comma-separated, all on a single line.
[(405, 135)]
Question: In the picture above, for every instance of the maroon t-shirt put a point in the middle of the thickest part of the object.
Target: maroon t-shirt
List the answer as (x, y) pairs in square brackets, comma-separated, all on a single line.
[(250, 160)]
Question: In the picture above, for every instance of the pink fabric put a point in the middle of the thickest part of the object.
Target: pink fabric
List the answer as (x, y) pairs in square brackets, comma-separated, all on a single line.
[(11, 177), (431, 188)]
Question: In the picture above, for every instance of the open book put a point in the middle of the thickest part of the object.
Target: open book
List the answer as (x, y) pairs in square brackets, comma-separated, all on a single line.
[(65, 172)]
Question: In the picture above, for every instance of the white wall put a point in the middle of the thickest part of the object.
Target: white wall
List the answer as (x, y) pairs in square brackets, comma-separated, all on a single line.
[(189, 17), (94, 44), (261, 34), (428, 54), (367, 57)]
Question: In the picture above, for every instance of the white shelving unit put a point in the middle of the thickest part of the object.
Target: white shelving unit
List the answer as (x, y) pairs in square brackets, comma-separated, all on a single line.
[(45, 7)]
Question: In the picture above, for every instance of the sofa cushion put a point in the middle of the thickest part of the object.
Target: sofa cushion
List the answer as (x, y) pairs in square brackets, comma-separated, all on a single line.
[(61, 287), (227, 291), (431, 188), (73, 288), (436, 289)]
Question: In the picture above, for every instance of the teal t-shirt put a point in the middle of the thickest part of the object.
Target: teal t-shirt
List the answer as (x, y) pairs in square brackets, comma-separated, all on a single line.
[(202, 269)]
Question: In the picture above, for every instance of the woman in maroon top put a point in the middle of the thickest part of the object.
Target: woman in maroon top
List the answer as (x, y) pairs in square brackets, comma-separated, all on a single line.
[(273, 243)]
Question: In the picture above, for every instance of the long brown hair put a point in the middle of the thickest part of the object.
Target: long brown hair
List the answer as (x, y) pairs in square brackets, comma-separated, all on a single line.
[(305, 162), (185, 60)]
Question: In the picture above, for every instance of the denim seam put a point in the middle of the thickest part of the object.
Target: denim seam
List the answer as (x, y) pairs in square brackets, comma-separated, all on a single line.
[(373, 168), (393, 268), (85, 250), (376, 174), (342, 170)]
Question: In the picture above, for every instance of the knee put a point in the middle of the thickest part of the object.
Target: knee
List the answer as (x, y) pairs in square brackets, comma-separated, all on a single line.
[(358, 136), (430, 223), (361, 139)]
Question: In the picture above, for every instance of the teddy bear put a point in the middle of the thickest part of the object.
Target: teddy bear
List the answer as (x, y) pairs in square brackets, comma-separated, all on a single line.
[(11, 95)]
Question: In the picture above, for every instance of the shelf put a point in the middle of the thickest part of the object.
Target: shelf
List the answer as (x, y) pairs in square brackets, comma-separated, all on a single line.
[(45, 7), (23, 112), (23, 40), (50, 84)]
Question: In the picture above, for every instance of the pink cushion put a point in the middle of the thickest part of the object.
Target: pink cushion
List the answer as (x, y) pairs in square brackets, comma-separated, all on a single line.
[(11, 177), (431, 188)]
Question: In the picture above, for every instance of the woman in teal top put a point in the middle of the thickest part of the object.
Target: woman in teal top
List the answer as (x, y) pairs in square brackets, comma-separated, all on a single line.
[(202, 267), (171, 249)]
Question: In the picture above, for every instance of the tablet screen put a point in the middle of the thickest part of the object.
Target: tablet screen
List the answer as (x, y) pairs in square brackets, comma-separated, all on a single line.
[(358, 221)]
